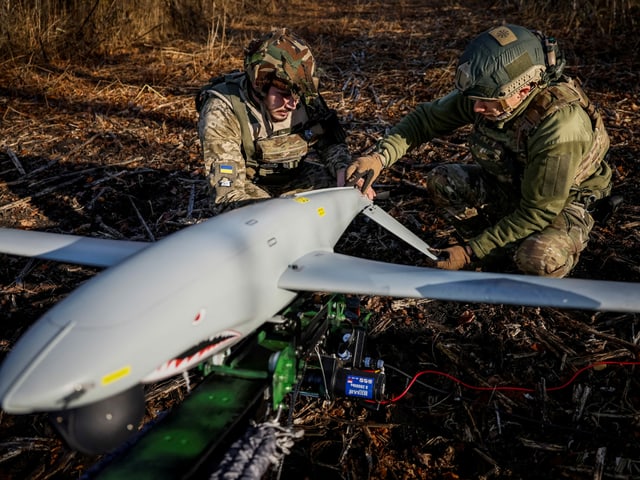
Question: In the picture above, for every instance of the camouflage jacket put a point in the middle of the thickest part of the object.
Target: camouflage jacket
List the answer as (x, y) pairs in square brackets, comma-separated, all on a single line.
[(236, 130), (544, 166)]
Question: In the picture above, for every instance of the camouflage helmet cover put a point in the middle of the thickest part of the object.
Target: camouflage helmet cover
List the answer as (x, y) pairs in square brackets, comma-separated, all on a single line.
[(284, 56), (500, 62)]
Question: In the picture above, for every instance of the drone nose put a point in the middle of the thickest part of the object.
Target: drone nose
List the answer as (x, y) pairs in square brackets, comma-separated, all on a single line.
[(21, 387)]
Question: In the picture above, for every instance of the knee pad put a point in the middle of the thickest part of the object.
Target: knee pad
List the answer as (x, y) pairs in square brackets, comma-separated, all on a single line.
[(546, 255), (445, 184)]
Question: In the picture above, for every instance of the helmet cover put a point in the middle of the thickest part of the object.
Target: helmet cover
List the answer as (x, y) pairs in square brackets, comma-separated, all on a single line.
[(500, 62), (281, 55)]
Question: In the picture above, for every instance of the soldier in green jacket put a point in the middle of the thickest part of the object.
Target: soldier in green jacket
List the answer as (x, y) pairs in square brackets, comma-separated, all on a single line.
[(538, 147), (267, 129)]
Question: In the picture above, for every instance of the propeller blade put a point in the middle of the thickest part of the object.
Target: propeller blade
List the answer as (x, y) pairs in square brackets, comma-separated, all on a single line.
[(385, 220)]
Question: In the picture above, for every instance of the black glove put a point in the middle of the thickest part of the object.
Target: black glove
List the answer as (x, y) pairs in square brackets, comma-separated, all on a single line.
[(455, 258), (367, 168)]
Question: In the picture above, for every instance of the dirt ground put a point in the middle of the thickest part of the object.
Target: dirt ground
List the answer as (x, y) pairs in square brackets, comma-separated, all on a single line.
[(108, 147)]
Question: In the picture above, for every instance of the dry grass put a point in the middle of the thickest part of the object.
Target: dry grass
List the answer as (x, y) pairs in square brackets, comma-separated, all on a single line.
[(52, 29), (103, 142)]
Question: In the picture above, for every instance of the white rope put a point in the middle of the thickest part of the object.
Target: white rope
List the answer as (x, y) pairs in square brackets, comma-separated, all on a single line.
[(261, 446)]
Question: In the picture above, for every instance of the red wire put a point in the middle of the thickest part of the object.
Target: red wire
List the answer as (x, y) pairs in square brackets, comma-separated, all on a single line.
[(501, 388)]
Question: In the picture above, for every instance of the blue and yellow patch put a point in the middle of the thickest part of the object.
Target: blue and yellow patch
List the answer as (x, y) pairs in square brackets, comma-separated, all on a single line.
[(226, 169)]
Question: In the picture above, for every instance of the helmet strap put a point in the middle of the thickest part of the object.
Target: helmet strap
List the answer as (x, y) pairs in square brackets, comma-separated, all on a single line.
[(255, 94), (509, 109)]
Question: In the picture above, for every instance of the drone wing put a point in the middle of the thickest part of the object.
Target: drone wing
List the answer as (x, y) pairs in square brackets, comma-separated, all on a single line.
[(95, 252), (332, 272)]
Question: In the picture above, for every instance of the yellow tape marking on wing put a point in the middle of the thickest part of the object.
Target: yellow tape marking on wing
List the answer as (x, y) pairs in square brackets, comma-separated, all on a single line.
[(117, 375)]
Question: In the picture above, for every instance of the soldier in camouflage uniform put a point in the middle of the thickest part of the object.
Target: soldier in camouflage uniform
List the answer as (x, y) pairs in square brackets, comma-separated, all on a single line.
[(266, 130), (539, 148)]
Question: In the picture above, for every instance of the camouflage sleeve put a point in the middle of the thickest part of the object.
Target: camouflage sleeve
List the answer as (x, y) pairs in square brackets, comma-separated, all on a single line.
[(555, 152), (427, 121), (224, 162)]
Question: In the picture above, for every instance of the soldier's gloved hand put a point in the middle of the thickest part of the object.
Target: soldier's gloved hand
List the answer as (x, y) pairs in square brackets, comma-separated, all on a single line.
[(364, 170), (454, 258)]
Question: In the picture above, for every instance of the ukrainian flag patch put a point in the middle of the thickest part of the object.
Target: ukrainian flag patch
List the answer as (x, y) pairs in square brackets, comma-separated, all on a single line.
[(226, 168)]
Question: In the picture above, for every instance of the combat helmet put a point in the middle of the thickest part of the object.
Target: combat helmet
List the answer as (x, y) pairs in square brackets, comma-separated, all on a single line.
[(501, 61), (281, 55)]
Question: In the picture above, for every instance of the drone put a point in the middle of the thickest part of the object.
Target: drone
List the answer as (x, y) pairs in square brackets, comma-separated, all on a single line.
[(158, 309)]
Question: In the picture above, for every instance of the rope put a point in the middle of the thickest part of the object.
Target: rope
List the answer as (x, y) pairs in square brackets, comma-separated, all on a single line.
[(260, 447)]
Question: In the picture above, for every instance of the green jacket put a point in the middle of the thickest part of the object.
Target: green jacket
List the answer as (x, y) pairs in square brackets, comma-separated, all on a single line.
[(558, 160)]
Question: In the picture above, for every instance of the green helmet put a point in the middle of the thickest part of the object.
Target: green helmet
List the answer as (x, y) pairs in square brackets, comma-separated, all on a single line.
[(500, 62), (281, 55)]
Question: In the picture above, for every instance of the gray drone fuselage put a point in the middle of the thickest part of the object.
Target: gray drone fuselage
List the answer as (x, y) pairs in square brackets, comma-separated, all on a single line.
[(212, 283), (214, 280)]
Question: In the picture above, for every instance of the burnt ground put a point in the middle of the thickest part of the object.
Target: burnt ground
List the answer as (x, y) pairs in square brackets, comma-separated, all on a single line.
[(108, 147)]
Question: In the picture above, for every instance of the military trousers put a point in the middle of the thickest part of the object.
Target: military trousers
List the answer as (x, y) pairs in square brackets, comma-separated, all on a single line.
[(474, 200)]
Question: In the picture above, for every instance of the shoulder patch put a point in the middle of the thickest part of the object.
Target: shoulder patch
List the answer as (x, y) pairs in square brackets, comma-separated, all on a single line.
[(503, 35)]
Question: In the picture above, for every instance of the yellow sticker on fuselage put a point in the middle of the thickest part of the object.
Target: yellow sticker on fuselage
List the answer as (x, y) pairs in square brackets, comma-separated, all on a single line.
[(321, 212), (301, 199), (116, 375)]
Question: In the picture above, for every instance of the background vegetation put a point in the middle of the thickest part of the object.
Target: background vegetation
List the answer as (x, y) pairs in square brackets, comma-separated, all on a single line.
[(98, 137), (67, 28)]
